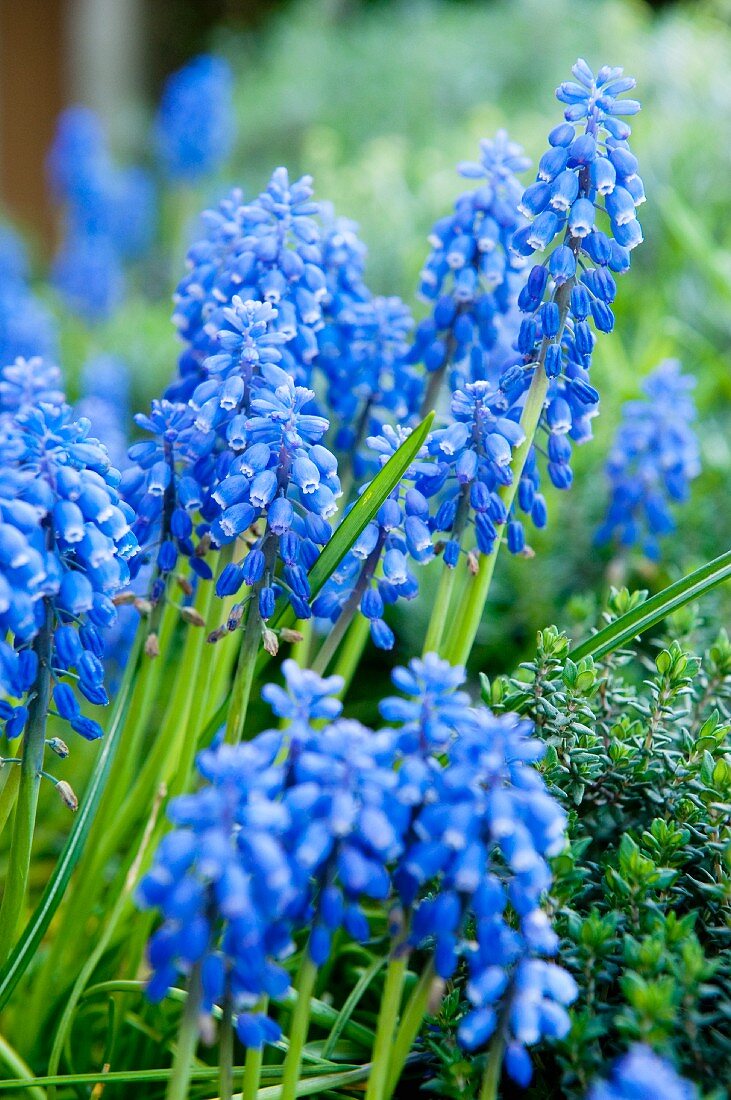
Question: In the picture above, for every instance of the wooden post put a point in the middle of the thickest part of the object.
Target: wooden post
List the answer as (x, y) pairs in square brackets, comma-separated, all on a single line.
[(33, 89)]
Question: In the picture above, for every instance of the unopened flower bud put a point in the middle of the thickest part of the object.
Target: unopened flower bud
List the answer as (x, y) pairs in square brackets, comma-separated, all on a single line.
[(67, 795), (271, 642), (58, 746), (122, 599), (436, 992), (190, 615), (143, 607), (235, 616), (152, 645), (289, 635), (217, 634), (184, 584), (203, 546), (473, 563)]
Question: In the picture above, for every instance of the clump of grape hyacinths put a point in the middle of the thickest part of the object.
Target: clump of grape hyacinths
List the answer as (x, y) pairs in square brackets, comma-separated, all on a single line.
[(291, 828), (654, 457), (642, 1074), (108, 216), (195, 124), (296, 828)]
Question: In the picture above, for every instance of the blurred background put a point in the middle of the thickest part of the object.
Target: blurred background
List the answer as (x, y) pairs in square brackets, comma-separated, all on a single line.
[(379, 101)]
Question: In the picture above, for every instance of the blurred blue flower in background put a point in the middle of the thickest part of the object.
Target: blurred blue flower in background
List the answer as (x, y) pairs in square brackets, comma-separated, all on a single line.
[(195, 125), (109, 215), (27, 327), (654, 458), (643, 1075)]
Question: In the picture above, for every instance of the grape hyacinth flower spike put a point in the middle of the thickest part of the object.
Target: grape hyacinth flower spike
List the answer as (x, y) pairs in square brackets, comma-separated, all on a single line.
[(582, 213), (654, 457), (65, 548), (473, 274), (195, 125), (479, 827)]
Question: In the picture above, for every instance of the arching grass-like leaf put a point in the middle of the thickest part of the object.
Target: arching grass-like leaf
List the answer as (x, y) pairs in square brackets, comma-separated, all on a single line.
[(658, 607)]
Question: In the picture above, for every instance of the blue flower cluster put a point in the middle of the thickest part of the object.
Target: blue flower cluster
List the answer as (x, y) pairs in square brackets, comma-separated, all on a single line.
[(27, 329), (482, 828), (65, 545), (109, 215), (288, 250), (654, 458), (442, 811), (472, 461), (195, 124), (640, 1075), (473, 275), (376, 571), (268, 250), (244, 455), (370, 384), (291, 831), (582, 213)]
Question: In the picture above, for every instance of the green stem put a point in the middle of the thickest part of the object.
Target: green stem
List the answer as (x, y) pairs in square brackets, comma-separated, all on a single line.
[(387, 1021), (352, 650), (10, 1058), (298, 1027), (409, 1026), (245, 669), (226, 1051), (440, 611), (187, 1040), (9, 793), (493, 1069), (34, 744), (253, 1064)]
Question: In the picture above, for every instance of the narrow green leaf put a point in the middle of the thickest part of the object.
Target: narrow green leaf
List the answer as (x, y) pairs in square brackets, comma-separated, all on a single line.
[(658, 607), (346, 534), (313, 1074), (33, 933), (350, 1005), (323, 1082)]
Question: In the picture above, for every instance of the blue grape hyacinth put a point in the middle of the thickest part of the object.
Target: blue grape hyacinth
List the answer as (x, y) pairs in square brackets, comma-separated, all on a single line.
[(586, 194), (195, 124), (473, 460), (473, 274), (482, 827), (643, 1075), (654, 457), (27, 329), (242, 459), (294, 831), (267, 250), (65, 546), (108, 215)]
